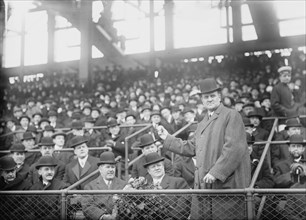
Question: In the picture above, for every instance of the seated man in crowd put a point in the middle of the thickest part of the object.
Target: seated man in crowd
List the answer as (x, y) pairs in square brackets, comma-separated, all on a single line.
[(18, 154), (288, 170), (101, 206), (9, 179), (179, 206), (83, 165), (47, 149), (264, 178), (258, 132), (28, 140), (280, 152), (148, 145), (59, 144)]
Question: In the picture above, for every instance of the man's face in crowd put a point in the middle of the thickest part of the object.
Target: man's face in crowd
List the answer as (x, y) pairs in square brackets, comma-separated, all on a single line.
[(88, 124), (24, 122), (48, 133), (285, 77), (78, 132), (155, 119), (149, 149), (52, 119), (211, 101), (246, 110), (8, 175), (59, 140), (266, 103), (146, 113), (18, 113), (114, 130), (189, 116), (47, 172), (81, 151), (296, 150), (156, 170), (46, 150), (107, 171), (294, 130), (165, 113), (29, 144), (18, 157), (130, 120), (255, 121), (44, 124), (95, 114), (249, 129), (36, 119), (176, 115)]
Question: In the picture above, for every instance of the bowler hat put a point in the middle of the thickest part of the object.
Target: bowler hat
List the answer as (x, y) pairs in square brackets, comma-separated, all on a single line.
[(89, 119), (24, 116), (284, 69), (247, 122), (18, 148), (58, 133), (145, 107), (112, 123), (78, 140), (152, 158), (86, 106), (7, 163), (43, 120), (175, 108), (188, 109), (145, 140), (255, 113), (32, 128), (46, 141), (47, 161), (27, 136), (76, 115), (17, 109), (208, 85), (95, 109), (48, 128), (107, 157), (37, 113), (130, 113), (250, 138), (249, 104), (77, 125), (292, 122), (296, 139), (154, 113), (52, 113)]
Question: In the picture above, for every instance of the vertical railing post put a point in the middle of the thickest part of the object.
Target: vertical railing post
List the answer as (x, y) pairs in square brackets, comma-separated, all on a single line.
[(250, 206), (64, 205)]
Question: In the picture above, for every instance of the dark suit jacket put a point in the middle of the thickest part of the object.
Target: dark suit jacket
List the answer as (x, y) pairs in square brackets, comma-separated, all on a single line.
[(64, 156), (96, 206), (23, 170), (18, 183), (260, 134), (184, 167), (179, 206), (59, 172), (72, 171)]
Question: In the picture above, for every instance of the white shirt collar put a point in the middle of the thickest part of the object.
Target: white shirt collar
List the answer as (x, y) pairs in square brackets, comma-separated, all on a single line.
[(82, 161), (158, 181)]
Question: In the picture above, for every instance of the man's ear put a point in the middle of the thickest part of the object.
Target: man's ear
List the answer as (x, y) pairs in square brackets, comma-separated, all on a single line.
[(39, 171)]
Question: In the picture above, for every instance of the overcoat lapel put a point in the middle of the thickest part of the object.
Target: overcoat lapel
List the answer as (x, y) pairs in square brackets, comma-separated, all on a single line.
[(75, 170), (165, 182), (207, 121), (86, 168)]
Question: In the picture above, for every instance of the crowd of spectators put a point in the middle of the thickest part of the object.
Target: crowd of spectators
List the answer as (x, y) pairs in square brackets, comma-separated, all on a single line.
[(59, 111)]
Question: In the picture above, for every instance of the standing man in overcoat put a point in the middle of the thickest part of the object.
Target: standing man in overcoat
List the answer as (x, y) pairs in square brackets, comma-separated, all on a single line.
[(221, 153)]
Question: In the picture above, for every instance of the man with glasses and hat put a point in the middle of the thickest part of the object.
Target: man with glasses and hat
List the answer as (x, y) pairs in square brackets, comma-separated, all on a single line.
[(9, 179), (47, 149), (18, 154), (221, 150), (148, 145), (101, 206)]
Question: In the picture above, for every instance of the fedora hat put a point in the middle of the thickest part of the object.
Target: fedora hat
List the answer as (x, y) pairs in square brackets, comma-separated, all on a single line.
[(208, 85), (49, 128), (32, 128), (59, 133), (18, 148), (27, 136), (112, 123), (7, 163), (155, 112), (24, 116), (145, 107), (250, 138), (130, 113), (52, 113), (78, 140), (152, 158), (146, 140), (47, 161), (293, 122), (296, 139), (37, 113), (188, 109), (107, 157), (46, 141)]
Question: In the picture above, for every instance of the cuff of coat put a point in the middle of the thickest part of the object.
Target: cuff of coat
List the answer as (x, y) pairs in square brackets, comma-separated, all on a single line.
[(217, 175)]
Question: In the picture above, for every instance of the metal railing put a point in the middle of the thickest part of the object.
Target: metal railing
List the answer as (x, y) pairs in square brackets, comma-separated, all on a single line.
[(154, 204)]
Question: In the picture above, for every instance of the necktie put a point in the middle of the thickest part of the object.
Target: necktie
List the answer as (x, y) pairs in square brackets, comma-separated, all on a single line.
[(109, 184)]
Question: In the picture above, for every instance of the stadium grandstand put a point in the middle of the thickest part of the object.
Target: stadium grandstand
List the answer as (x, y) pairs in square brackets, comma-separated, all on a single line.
[(153, 109)]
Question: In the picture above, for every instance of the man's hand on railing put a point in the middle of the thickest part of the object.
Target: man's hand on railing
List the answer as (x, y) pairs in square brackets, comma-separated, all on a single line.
[(162, 132)]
